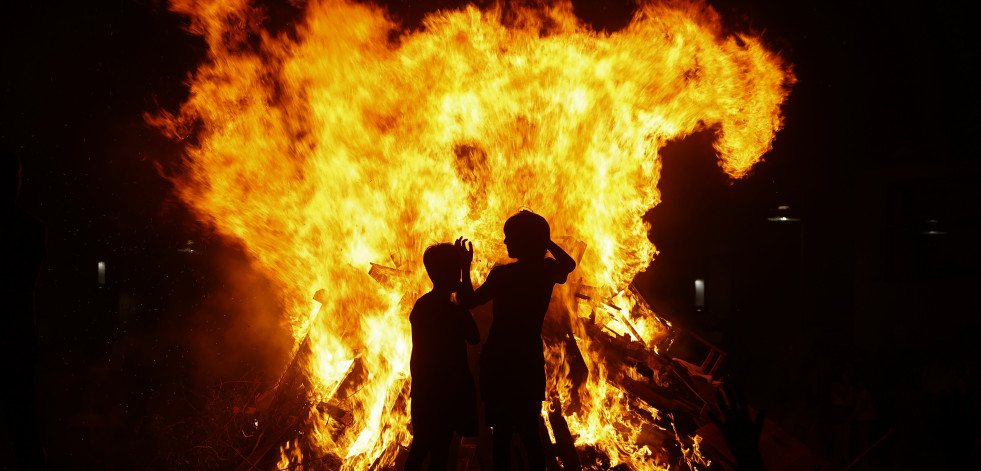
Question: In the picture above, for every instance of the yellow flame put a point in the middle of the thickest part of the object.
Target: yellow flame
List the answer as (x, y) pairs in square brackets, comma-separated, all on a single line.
[(332, 147)]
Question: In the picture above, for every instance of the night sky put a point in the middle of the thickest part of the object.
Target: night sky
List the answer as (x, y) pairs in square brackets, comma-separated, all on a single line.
[(878, 140)]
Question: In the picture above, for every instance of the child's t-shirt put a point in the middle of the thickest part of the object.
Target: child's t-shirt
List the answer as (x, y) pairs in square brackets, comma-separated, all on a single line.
[(442, 386), (512, 360)]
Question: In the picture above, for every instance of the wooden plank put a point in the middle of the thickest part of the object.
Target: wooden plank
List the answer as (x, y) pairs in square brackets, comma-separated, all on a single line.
[(565, 445)]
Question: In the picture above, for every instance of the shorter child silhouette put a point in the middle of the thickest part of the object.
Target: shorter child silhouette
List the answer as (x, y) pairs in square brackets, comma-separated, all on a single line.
[(512, 362), (443, 397)]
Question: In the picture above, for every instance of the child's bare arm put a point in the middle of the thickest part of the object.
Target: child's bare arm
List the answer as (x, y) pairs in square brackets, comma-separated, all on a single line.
[(464, 295), (566, 263)]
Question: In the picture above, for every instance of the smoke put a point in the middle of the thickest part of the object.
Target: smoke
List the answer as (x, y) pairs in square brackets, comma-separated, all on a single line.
[(236, 331)]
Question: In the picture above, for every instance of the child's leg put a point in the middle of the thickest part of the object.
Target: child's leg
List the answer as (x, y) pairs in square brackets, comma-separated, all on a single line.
[(420, 447), (503, 431), (527, 428), (440, 450)]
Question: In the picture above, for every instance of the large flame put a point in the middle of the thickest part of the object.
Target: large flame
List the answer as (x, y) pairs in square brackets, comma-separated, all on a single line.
[(347, 144)]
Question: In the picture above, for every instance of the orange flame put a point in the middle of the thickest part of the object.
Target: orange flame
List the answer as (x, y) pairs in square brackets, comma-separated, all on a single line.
[(334, 148)]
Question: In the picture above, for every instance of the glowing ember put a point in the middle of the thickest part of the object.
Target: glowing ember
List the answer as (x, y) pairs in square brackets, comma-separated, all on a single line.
[(334, 150)]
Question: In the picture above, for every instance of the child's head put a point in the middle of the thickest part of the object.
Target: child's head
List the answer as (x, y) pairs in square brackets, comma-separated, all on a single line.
[(526, 235), (444, 265)]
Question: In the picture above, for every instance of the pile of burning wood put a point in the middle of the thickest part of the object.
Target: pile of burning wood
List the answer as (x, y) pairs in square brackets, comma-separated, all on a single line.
[(671, 397)]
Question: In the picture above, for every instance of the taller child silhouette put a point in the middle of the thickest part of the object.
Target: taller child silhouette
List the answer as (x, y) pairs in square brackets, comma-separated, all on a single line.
[(512, 362)]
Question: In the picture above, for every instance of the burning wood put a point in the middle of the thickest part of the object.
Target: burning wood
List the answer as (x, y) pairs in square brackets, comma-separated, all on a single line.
[(565, 445), (289, 405), (388, 277), (639, 370)]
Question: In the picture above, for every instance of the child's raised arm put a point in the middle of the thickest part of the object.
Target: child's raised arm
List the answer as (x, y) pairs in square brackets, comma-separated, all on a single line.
[(464, 296), (566, 263)]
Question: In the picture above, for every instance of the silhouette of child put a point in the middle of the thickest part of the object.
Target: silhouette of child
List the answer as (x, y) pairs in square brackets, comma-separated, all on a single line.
[(443, 396), (512, 362)]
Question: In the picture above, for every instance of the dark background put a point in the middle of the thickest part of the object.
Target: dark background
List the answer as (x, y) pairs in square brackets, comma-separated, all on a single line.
[(878, 140)]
